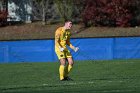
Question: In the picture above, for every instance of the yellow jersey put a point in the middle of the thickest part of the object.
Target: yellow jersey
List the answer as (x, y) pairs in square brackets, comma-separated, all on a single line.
[(62, 39)]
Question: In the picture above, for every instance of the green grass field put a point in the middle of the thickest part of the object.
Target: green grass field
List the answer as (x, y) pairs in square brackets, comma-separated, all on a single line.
[(119, 76)]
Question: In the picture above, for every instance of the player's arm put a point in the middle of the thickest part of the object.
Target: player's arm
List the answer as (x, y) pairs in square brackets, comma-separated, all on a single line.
[(71, 46), (57, 39), (69, 43)]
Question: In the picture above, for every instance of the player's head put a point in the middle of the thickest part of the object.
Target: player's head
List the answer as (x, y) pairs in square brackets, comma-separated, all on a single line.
[(68, 24)]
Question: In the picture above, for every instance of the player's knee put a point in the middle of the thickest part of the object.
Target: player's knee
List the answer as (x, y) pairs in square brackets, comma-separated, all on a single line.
[(71, 62), (63, 62)]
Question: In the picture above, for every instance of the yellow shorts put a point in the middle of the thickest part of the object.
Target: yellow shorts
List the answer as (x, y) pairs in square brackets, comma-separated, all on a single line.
[(64, 54)]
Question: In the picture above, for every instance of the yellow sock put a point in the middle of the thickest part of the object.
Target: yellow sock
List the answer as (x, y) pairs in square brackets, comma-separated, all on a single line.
[(67, 70), (61, 71)]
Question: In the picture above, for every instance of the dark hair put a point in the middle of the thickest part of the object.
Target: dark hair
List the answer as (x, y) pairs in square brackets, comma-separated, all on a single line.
[(68, 20)]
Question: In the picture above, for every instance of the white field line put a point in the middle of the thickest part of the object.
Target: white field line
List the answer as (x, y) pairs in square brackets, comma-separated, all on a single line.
[(67, 83), (76, 83), (62, 83)]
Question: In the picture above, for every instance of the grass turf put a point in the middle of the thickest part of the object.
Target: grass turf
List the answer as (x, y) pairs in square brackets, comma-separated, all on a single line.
[(119, 76)]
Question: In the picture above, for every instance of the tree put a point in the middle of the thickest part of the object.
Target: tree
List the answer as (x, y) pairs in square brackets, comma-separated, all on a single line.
[(40, 8), (65, 9), (109, 12), (3, 12)]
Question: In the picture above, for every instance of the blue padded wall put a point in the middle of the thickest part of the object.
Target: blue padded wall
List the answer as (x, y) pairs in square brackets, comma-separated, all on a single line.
[(90, 49)]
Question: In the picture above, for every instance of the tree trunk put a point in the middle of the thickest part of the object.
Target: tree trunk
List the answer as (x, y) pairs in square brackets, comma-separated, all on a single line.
[(44, 16)]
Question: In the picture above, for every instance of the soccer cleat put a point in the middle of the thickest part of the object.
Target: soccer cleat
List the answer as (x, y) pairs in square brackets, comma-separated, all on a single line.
[(68, 79), (63, 80)]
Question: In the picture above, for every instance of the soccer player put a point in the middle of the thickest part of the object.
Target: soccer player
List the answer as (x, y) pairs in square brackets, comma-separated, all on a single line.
[(62, 39)]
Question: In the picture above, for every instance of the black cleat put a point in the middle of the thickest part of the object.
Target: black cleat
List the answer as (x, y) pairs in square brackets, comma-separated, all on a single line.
[(68, 79), (63, 80)]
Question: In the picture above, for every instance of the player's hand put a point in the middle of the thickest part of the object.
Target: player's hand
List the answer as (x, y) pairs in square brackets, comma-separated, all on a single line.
[(76, 49), (61, 49)]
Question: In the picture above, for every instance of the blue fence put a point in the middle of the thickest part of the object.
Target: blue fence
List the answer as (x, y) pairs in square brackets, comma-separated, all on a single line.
[(90, 49)]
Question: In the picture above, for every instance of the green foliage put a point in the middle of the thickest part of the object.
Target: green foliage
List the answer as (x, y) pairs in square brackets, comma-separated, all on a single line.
[(65, 9), (42, 9), (111, 13)]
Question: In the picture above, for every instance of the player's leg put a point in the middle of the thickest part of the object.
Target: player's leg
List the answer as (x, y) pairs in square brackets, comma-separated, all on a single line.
[(62, 58), (62, 68), (68, 68), (69, 65)]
